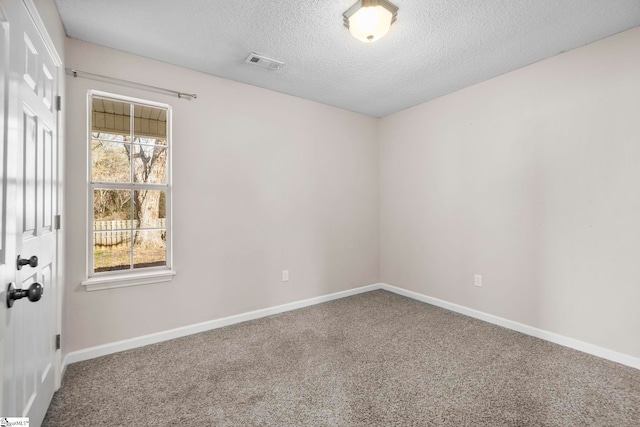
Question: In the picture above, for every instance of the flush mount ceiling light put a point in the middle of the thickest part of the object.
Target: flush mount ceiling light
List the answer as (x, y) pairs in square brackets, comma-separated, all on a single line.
[(369, 20)]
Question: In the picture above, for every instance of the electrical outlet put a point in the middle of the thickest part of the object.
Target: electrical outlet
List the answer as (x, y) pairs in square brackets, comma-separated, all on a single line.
[(477, 280), (285, 275)]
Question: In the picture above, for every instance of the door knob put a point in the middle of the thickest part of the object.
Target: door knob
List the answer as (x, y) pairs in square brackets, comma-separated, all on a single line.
[(34, 293), (31, 262)]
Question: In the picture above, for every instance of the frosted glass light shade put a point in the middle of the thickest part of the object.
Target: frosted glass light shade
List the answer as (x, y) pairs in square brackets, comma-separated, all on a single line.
[(369, 20)]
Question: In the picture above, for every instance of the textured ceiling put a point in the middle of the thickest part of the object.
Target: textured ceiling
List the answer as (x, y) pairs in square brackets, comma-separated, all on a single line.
[(434, 48)]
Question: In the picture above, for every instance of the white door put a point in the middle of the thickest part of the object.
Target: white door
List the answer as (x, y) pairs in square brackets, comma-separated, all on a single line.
[(30, 190)]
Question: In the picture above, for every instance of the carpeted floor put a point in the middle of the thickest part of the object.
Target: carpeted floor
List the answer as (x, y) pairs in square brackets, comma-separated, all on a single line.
[(375, 359)]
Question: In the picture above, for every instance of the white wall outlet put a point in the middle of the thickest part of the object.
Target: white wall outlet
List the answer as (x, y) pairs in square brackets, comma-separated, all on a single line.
[(477, 280), (285, 275)]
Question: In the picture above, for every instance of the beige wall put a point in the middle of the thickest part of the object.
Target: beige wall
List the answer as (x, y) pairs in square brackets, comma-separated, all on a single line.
[(531, 179), (263, 182)]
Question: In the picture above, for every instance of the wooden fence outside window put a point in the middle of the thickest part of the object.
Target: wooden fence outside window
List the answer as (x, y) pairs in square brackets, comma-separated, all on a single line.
[(116, 233)]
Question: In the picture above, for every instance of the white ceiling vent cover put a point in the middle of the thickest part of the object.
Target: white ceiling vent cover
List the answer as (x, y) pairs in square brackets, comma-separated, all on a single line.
[(264, 62)]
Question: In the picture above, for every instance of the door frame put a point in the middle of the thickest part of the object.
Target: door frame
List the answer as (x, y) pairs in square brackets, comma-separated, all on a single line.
[(59, 250)]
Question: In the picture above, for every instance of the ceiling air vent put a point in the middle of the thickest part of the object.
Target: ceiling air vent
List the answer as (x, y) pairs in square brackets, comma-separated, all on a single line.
[(264, 62)]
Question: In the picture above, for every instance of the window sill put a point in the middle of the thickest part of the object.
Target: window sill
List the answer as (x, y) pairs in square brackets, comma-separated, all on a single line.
[(98, 283)]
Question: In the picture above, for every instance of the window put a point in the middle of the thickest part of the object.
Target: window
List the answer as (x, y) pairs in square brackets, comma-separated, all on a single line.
[(129, 192)]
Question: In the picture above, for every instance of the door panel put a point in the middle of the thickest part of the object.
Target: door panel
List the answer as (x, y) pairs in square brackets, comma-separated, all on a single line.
[(30, 327), (47, 88), (29, 143), (29, 347), (30, 74), (47, 180)]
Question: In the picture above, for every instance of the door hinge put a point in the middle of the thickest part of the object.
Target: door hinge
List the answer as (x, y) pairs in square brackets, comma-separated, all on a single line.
[(58, 103), (58, 342), (56, 222)]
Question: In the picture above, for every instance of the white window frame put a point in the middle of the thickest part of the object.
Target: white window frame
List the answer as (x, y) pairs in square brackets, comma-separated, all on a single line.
[(121, 278)]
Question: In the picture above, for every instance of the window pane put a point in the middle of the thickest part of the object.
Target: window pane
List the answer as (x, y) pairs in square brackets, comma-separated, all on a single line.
[(150, 248), (111, 209), (129, 152), (150, 123), (149, 164), (109, 116), (110, 137), (110, 161), (111, 250), (149, 208), (151, 141)]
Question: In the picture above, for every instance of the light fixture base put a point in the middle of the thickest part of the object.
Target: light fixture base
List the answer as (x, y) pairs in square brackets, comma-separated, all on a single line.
[(390, 10)]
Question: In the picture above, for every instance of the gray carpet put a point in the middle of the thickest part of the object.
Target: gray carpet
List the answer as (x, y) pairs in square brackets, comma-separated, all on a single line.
[(375, 359)]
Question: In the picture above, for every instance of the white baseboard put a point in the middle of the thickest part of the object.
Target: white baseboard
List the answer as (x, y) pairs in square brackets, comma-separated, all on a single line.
[(63, 368), (582, 346), (103, 350), (115, 347)]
